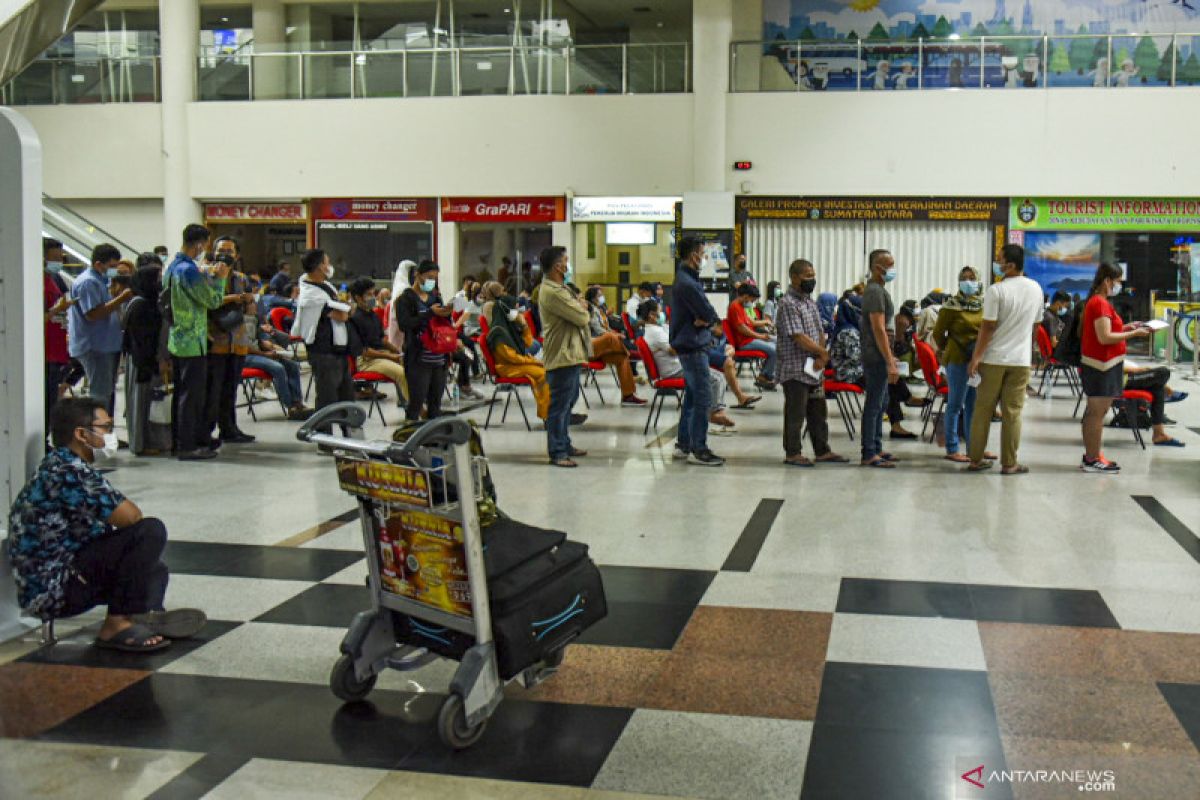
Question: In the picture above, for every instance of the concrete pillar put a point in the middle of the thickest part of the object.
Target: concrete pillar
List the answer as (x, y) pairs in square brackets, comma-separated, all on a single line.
[(447, 258), (712, 31), (179, 21), (270, 36), (747, 60)]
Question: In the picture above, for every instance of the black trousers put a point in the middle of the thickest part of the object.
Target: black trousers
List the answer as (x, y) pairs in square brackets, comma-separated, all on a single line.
[(331, 374), (466, 366), (55, 375), (426, 383), (1153, 381), (220, 402), (188, 409), (123, 570), (801, 403)]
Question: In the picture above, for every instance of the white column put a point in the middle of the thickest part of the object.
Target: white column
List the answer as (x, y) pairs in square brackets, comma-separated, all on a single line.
[(22, 429), (447, 257), (179, 21), (270, 36), (712, 31)]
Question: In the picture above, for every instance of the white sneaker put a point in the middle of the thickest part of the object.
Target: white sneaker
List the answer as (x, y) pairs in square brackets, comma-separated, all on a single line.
[(706, 458), (679, 454)]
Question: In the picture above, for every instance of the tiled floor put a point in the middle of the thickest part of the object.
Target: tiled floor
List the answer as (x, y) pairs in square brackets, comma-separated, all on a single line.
[(825, 633)]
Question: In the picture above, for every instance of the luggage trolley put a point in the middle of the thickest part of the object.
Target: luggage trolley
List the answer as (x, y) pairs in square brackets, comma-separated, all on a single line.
[(410, 495)]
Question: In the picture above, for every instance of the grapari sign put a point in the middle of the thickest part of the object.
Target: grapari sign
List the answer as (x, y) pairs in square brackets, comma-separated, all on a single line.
[(503, 209)]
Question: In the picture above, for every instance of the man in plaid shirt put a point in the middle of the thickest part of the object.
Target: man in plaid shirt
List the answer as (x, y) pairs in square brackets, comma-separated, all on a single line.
[(802, 338)]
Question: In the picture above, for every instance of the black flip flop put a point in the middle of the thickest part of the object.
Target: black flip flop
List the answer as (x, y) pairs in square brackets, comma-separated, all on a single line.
[(179, 623), (878, 462), (133, 639)]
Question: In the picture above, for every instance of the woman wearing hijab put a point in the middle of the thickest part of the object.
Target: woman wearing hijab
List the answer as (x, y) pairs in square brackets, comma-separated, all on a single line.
[(953, 338), (402, 281), (143, 324), (508, 340), (826, 305)]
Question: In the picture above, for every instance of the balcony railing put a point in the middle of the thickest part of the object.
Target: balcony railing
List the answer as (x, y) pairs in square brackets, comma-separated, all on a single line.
[(448, 72), (985, 62), (101, 79)]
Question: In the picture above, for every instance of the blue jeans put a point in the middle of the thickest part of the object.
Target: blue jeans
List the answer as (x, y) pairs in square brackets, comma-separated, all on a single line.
[(285, 376), (101, 371), (758, 345), (697, 402), (960, 404), (564, 388), (875, 382)]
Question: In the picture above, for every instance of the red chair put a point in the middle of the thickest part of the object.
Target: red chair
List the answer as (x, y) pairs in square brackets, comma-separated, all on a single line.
[(1050, 364), (846, 396), (663, 387), (630, 329), (589, 379), (370, 381), (250, 377), (1133, 402), (936, 383), (742, 357), (508, 386), (281, 320), (537, 334), (382, 313)]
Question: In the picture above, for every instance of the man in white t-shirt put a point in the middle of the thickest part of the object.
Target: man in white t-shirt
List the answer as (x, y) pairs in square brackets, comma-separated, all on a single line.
[(644, 292), (1011, 309)]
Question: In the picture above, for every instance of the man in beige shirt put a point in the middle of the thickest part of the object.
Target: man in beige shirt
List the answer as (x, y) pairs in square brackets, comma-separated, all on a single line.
[(567, 346)]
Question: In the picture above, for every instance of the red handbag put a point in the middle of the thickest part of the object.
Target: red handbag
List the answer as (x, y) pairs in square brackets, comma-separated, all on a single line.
[(440, 337)]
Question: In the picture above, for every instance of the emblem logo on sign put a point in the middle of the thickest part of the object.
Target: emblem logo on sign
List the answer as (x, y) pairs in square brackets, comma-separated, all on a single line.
[(340, 210), (815, 213), (1027, 211)]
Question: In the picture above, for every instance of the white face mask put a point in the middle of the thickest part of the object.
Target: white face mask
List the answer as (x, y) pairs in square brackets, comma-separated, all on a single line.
[(110, 445), (512, 315), (1115, 290), (54, 266), (329, 272)]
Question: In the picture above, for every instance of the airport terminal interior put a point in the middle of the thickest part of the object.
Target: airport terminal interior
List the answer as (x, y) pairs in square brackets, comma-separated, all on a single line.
[(444, 521)]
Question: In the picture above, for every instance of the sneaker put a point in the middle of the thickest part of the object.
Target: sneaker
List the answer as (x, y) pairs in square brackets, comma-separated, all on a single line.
[(199, 454), (632, 400), (1100, 464), (578, 419), (706, 458), (680, 454)]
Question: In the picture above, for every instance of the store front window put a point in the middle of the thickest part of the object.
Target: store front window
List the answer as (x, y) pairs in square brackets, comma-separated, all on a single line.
[(369, 237)]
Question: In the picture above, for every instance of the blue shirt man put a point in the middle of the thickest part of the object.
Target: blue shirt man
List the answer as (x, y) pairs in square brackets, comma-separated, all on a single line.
[(94, 326), (692, 318)]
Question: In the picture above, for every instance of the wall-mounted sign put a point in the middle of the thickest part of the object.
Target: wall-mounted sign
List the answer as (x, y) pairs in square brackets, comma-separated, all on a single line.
[(379, 209), (1105, 213), (917, 209), (623, 209), (503, 209), (742, 165), (256, 212)]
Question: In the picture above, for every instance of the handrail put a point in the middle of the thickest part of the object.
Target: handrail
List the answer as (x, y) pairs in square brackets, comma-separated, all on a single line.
[(84, 228)]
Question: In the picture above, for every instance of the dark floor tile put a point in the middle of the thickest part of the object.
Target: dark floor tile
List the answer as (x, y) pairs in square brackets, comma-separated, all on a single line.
[(329, 605), (256, 561), (1184, 700), (79, 650), (200, 778), (745, 551), (850, 762), (540, 742), (655, 585), (904, 598), (909, 699), (36, 697), (1170, 523), (1076, 607), (651, 625)]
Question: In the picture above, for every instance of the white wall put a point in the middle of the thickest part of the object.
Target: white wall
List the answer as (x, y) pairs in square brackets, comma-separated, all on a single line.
[(137, 223), (441, 146), (100, 151), (990, 142)]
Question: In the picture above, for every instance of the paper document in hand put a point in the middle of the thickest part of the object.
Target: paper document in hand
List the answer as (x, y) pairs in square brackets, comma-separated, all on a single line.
[(1156, 324), (810, 369)]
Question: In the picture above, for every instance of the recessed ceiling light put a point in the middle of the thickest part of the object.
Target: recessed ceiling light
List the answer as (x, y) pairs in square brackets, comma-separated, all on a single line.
[(224, 19), (508, 11)]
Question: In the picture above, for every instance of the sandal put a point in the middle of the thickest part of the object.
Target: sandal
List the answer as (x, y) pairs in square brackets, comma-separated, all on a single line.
[(134, 639), (577, 453), (179, 623), (958, 458), (879, 462), (990, 456), (1019, 469), (800, 461), (1172, 442), (566, 463), (980, 467), (832, 458), (889, 458), (749, 404)]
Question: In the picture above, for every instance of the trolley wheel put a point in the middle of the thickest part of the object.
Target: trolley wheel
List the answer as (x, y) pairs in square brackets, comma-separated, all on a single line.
[(555, 658), (452, 725), (345, 685)]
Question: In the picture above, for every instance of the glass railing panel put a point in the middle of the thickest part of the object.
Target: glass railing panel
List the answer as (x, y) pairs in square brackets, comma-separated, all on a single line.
[(484, 71), (540, 70), (597, 69), (656, 68), (224, 78), (431, 73), (380, 74), (327, 76)]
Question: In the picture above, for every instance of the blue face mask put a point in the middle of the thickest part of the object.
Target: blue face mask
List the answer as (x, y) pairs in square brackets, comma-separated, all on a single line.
[(890, 275), (968, 288), (54, 266), (428, 285), (1062, 312), (662, 318), (997, 270), (112, 273), (569, 275)]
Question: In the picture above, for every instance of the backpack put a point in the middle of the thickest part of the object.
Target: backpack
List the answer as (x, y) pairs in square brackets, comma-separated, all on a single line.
[(488, 508), (440, 336), (1070, 344)]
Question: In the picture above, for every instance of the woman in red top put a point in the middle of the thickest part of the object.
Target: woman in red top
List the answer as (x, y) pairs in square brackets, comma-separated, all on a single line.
[(1102, 335)]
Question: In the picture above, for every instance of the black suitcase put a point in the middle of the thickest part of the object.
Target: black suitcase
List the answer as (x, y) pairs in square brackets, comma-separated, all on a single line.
[(544, 592)]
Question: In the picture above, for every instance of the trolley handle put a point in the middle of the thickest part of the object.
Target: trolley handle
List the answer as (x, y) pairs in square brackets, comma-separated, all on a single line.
[(345, 414), (442, 431)]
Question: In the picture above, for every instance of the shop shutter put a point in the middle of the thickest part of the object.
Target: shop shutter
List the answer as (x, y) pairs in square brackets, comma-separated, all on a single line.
[(930, 254), (834, 248)]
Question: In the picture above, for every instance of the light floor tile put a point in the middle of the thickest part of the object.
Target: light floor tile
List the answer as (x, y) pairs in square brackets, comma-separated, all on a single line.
[(232, 599), (906, 641), (344, 537), (405, 785), (295, 654), (1150, 610), (265, 779), (793, 592), (353, 575), (708, 756), (31, 769)]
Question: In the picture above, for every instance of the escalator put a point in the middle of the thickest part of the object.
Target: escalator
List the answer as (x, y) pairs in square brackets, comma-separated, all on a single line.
[(78, 235), (28, 27)]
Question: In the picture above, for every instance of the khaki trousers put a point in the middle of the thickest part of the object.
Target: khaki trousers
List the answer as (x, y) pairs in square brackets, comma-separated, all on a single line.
[(1006, 385)]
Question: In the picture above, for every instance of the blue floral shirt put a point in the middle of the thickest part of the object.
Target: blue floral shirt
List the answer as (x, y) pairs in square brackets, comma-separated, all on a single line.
[(64, 507)]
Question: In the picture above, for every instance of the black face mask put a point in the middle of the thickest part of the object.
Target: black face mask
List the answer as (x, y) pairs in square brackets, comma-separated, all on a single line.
[(806, 287)]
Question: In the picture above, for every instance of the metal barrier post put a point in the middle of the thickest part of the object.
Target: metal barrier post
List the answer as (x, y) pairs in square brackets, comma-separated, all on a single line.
[(1174, 55), (858, 66), (1045, 62), (624, 69), (982, 62), (920, 63)]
